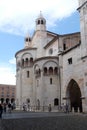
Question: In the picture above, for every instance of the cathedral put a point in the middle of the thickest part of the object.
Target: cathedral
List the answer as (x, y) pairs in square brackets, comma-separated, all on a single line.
[(51, 69)]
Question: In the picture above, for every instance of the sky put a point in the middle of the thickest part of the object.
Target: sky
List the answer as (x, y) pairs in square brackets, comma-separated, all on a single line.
[(17, 18)]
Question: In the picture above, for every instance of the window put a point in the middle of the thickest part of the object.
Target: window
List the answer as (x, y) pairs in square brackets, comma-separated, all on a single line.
[(55, 70), (38, 21), (79, 41), (26, 61), (64, 46), (2, 95), (27, 74), (22, 62), (45, 71), (70, 60), (2, 88), (56, 102), (50, 70), (39, 72), (51, 51), (7, 95), (50, 80), (12, 95), (41, 21), (26, 39), (28, 100), (31, 61)]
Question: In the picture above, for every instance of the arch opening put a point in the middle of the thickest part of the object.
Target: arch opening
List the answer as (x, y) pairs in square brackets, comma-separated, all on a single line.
[(74, 96)]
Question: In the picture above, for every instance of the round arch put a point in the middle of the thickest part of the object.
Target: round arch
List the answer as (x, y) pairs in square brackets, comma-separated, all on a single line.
[(73, 94), (49, 62), (26, 54)]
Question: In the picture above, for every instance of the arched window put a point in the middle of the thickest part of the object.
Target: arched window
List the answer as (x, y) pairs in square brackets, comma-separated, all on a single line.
[(55, 70), (51, 70), (38, 21), (12, 100), (26, 61), (2, 100), (51, 81), (27, 74), (23, 62), (45, 71), (41, 21), (28, 100), (64, 45), (31, 61), (7, 100), (26, 39), (56, 102), (39, 71)]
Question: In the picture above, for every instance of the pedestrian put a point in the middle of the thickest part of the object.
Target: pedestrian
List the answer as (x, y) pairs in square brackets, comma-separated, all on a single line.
[(1, 110), (63, 107), (12, 106), (9, 107), (24, 106), (67, 108), (28, 106), (49, 108), (4, 107)]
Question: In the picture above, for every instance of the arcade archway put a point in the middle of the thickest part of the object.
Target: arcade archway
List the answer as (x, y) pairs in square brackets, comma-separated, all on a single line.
[(74, 96)]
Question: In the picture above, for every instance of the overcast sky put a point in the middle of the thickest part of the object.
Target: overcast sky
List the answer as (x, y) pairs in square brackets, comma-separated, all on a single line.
[(17, 17)]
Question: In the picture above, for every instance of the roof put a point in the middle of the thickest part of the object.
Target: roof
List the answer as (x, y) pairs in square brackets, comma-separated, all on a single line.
[(70, 49), (53, 40), (82, 5), (46, 57), (25, 49)]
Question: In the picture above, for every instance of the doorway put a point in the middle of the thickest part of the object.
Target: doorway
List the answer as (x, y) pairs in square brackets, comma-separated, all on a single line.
[(74, 94)]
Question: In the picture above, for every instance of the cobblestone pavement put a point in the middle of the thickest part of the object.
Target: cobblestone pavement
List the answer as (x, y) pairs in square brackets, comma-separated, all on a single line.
[(54, 121)]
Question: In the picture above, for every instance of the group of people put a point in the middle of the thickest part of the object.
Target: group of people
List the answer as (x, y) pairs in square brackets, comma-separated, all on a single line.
[(26, 107), (65, 108), (4, 107)]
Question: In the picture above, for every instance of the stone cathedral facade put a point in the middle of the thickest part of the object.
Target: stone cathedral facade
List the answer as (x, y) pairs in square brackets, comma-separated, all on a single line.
[(52, 68)]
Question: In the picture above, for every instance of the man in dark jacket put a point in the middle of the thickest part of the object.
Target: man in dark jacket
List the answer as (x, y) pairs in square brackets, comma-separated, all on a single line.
[(1, 110)]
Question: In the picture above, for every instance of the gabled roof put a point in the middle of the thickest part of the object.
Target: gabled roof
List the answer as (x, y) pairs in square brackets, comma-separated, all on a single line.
[(52, 41), (52, 33)]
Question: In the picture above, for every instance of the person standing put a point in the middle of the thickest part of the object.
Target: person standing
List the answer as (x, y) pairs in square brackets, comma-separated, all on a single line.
[(67, 108), (1, 110), (9, 107), (49, 108), (4, 107)]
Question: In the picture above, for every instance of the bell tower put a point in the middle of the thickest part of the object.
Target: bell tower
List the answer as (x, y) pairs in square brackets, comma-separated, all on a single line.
[(40, 23), (83, 25), (27, 41)]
